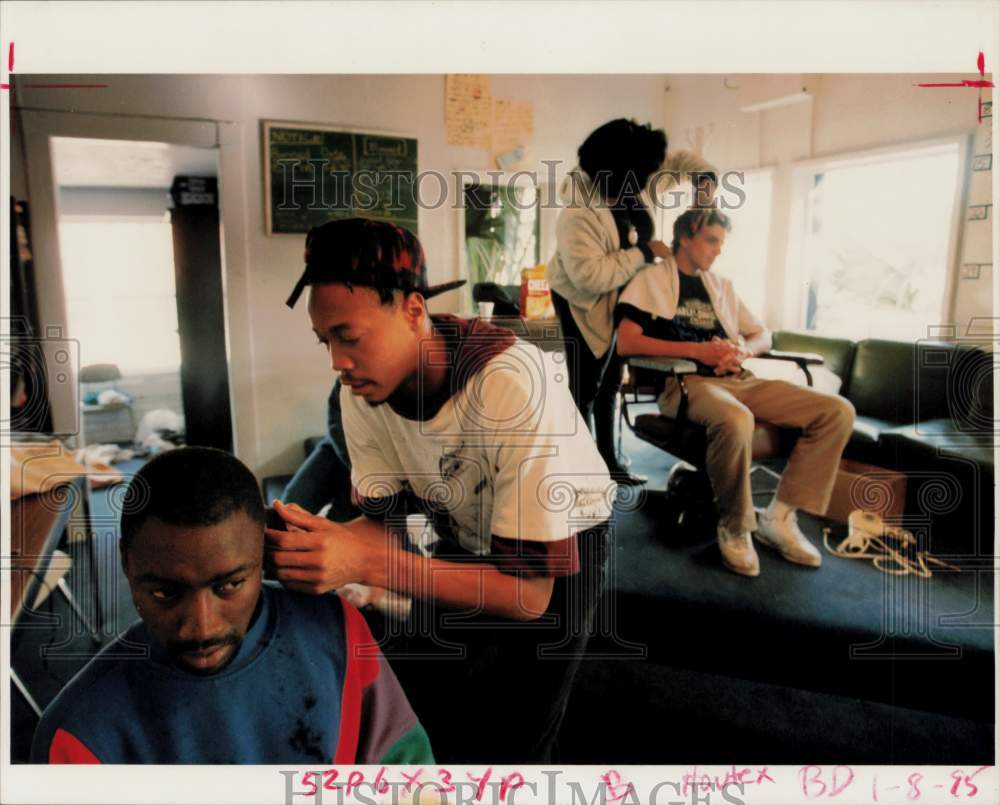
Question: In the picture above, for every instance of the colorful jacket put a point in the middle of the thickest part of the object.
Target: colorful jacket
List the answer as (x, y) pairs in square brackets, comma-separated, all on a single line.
[(308, 685)]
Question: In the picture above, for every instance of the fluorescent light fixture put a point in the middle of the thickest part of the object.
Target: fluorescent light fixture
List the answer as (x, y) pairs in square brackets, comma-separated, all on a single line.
[(777, 103)]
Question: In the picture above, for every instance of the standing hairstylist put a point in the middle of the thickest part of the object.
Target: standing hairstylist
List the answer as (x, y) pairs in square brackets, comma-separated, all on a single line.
[(604, 236)]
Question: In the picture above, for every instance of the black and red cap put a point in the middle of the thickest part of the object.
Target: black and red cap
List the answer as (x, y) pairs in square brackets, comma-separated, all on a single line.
[(372, 254)]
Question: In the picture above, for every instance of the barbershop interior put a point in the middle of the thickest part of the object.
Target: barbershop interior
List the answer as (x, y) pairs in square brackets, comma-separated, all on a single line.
[(158, 225)]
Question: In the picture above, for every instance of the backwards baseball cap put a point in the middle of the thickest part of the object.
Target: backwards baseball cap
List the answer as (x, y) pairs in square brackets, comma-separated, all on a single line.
[(372, 254)]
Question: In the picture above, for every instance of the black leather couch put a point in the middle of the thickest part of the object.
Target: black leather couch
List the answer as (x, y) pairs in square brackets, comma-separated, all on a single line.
[(924, 409)]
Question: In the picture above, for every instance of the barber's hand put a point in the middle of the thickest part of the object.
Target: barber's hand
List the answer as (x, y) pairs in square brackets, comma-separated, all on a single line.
[(318, 555), (659, 249)]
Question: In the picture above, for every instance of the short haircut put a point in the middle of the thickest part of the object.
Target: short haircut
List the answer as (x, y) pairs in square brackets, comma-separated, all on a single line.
[(622, 147), (693, 220), (189, 486)]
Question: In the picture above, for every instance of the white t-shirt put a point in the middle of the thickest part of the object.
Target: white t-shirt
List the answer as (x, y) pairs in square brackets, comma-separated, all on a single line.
[(508, 455)]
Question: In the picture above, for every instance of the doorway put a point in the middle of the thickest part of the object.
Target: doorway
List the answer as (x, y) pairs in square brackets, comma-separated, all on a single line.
[(128, 267)]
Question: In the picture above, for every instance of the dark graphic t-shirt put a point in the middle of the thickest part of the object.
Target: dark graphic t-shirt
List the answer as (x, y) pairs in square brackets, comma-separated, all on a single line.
[(695, 319)]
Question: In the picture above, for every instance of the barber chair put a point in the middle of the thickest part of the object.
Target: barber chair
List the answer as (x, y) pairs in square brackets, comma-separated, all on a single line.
[(689, 498)]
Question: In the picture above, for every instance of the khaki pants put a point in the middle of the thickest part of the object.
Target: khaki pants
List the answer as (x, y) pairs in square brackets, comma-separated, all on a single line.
[(728, 406)]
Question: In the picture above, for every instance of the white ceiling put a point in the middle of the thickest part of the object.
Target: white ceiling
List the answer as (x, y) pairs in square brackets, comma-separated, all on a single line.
[(125, 163)]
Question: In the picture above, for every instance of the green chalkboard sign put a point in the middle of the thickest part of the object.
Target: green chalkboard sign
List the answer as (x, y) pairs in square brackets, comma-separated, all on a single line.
[(314, 174)]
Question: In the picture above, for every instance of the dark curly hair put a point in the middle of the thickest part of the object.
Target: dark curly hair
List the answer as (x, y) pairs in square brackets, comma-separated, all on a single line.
[(619, 149)]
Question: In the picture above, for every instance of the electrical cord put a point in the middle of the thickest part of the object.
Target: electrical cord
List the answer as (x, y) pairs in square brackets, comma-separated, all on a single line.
[(891, 549)]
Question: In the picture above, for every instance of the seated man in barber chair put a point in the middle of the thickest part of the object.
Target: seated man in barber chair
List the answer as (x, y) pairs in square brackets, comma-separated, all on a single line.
[(223, 668), (680, 309)]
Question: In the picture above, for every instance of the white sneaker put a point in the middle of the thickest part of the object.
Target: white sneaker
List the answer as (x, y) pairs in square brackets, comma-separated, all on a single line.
[(738, 553), (784, 535)]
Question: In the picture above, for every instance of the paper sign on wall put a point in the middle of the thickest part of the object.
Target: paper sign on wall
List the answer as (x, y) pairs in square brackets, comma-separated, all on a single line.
[(513, 125), (468, 109)]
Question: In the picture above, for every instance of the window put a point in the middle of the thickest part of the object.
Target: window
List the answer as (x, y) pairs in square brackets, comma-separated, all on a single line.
[(876, 245), (744, 257), (501, 225), (120, 297)]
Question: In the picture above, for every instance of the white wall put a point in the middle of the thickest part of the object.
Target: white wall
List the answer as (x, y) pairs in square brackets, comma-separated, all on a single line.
[(848, 113), (119, 202), (280, 379), (281, 387)]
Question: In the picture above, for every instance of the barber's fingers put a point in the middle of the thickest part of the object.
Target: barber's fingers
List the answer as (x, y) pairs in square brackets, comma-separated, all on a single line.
[(296, 559), (306, 580), (294, 540), (659, 249), (298, 574), (293, 514), (302, 581)]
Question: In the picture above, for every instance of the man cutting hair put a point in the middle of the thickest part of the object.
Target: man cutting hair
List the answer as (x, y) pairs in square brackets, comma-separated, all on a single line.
[(477, 430)]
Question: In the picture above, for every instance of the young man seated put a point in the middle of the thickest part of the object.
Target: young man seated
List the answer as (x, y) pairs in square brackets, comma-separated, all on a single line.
[(479, 430), (222, 668), (680, 309)]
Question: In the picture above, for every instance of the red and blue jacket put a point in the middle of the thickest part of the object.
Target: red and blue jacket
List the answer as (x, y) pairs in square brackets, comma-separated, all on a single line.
[(308, 685)]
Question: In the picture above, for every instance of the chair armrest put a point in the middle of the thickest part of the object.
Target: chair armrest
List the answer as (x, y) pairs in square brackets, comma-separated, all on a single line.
[(803, 359), (670, 366)]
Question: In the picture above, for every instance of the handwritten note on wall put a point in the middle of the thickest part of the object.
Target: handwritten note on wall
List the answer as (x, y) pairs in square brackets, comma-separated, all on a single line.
[(468, 110), (513, 125), (475, 118)]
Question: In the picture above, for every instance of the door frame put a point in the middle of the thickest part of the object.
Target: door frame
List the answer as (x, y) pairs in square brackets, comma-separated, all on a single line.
[(39, 126)]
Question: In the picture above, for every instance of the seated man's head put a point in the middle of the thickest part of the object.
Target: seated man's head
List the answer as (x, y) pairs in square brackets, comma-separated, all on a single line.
[(698, 237), (192, 545), (368, 288)]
